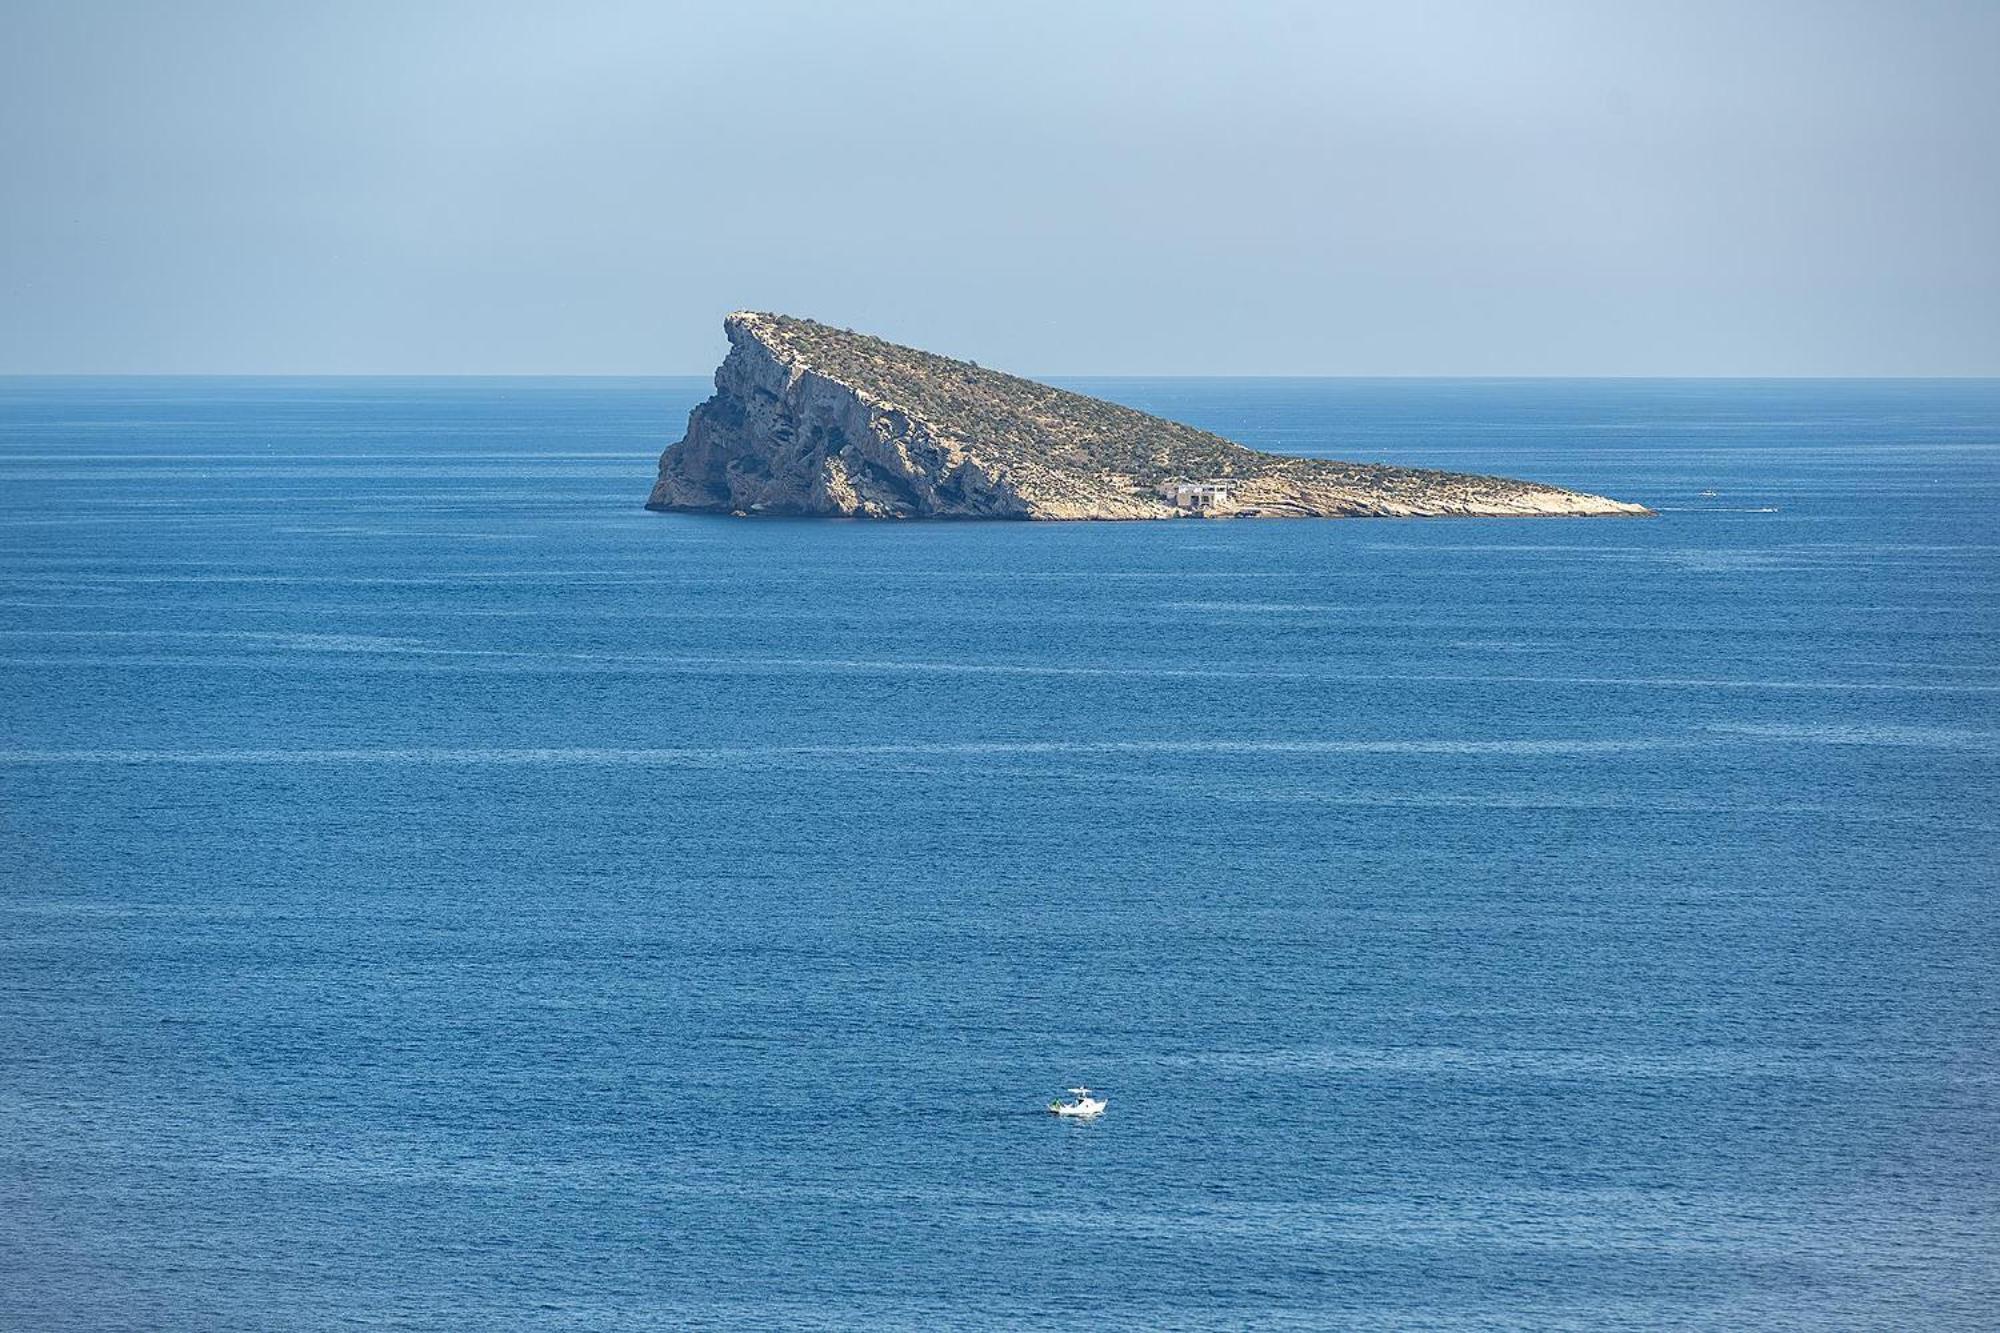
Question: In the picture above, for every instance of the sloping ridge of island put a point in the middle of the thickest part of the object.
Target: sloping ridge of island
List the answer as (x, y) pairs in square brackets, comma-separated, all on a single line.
[(812, 420)]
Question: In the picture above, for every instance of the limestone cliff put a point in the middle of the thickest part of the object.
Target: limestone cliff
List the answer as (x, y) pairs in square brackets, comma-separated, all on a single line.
[(808, 419)]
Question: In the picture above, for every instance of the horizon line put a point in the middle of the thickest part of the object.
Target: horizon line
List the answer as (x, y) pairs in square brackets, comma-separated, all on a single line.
[(1035, 375)]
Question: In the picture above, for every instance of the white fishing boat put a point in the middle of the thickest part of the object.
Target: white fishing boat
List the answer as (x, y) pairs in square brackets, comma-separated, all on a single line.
[(1080, 1106)]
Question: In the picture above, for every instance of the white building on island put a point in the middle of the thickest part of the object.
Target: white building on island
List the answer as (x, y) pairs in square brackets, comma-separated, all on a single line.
[(1199, 495)]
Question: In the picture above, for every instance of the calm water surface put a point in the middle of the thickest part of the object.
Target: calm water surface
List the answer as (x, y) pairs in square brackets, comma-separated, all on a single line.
[(435, 893)]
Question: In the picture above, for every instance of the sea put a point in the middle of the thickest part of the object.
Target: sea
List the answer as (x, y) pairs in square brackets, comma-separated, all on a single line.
[(436, 893)]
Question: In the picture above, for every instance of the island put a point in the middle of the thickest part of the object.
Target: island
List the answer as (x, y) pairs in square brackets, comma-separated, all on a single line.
[(808, 419)]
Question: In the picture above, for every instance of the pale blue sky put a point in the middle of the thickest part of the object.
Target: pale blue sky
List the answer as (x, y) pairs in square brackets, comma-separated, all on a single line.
[(1283, 188)]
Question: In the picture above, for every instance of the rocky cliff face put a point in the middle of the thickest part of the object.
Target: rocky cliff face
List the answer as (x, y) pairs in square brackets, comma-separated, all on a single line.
[(808, 419)]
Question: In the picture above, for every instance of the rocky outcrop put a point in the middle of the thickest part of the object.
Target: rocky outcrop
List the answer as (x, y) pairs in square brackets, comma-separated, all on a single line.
[(808, 419)]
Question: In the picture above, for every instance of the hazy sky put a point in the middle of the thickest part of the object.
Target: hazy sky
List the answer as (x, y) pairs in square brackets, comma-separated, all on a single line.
[(1231, 188)]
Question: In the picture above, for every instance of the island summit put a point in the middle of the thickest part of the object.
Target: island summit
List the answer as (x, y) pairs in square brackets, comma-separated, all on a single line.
[(812, 420)]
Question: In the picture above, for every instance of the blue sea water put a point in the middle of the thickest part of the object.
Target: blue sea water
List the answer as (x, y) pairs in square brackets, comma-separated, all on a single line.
[(437, 894)]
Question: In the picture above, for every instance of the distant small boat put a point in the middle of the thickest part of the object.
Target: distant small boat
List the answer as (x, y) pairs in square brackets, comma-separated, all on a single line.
[(1710, 495), (1081, 1106)]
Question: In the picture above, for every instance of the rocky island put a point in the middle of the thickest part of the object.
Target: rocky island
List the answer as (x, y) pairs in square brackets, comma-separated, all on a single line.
[(812, 420)]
